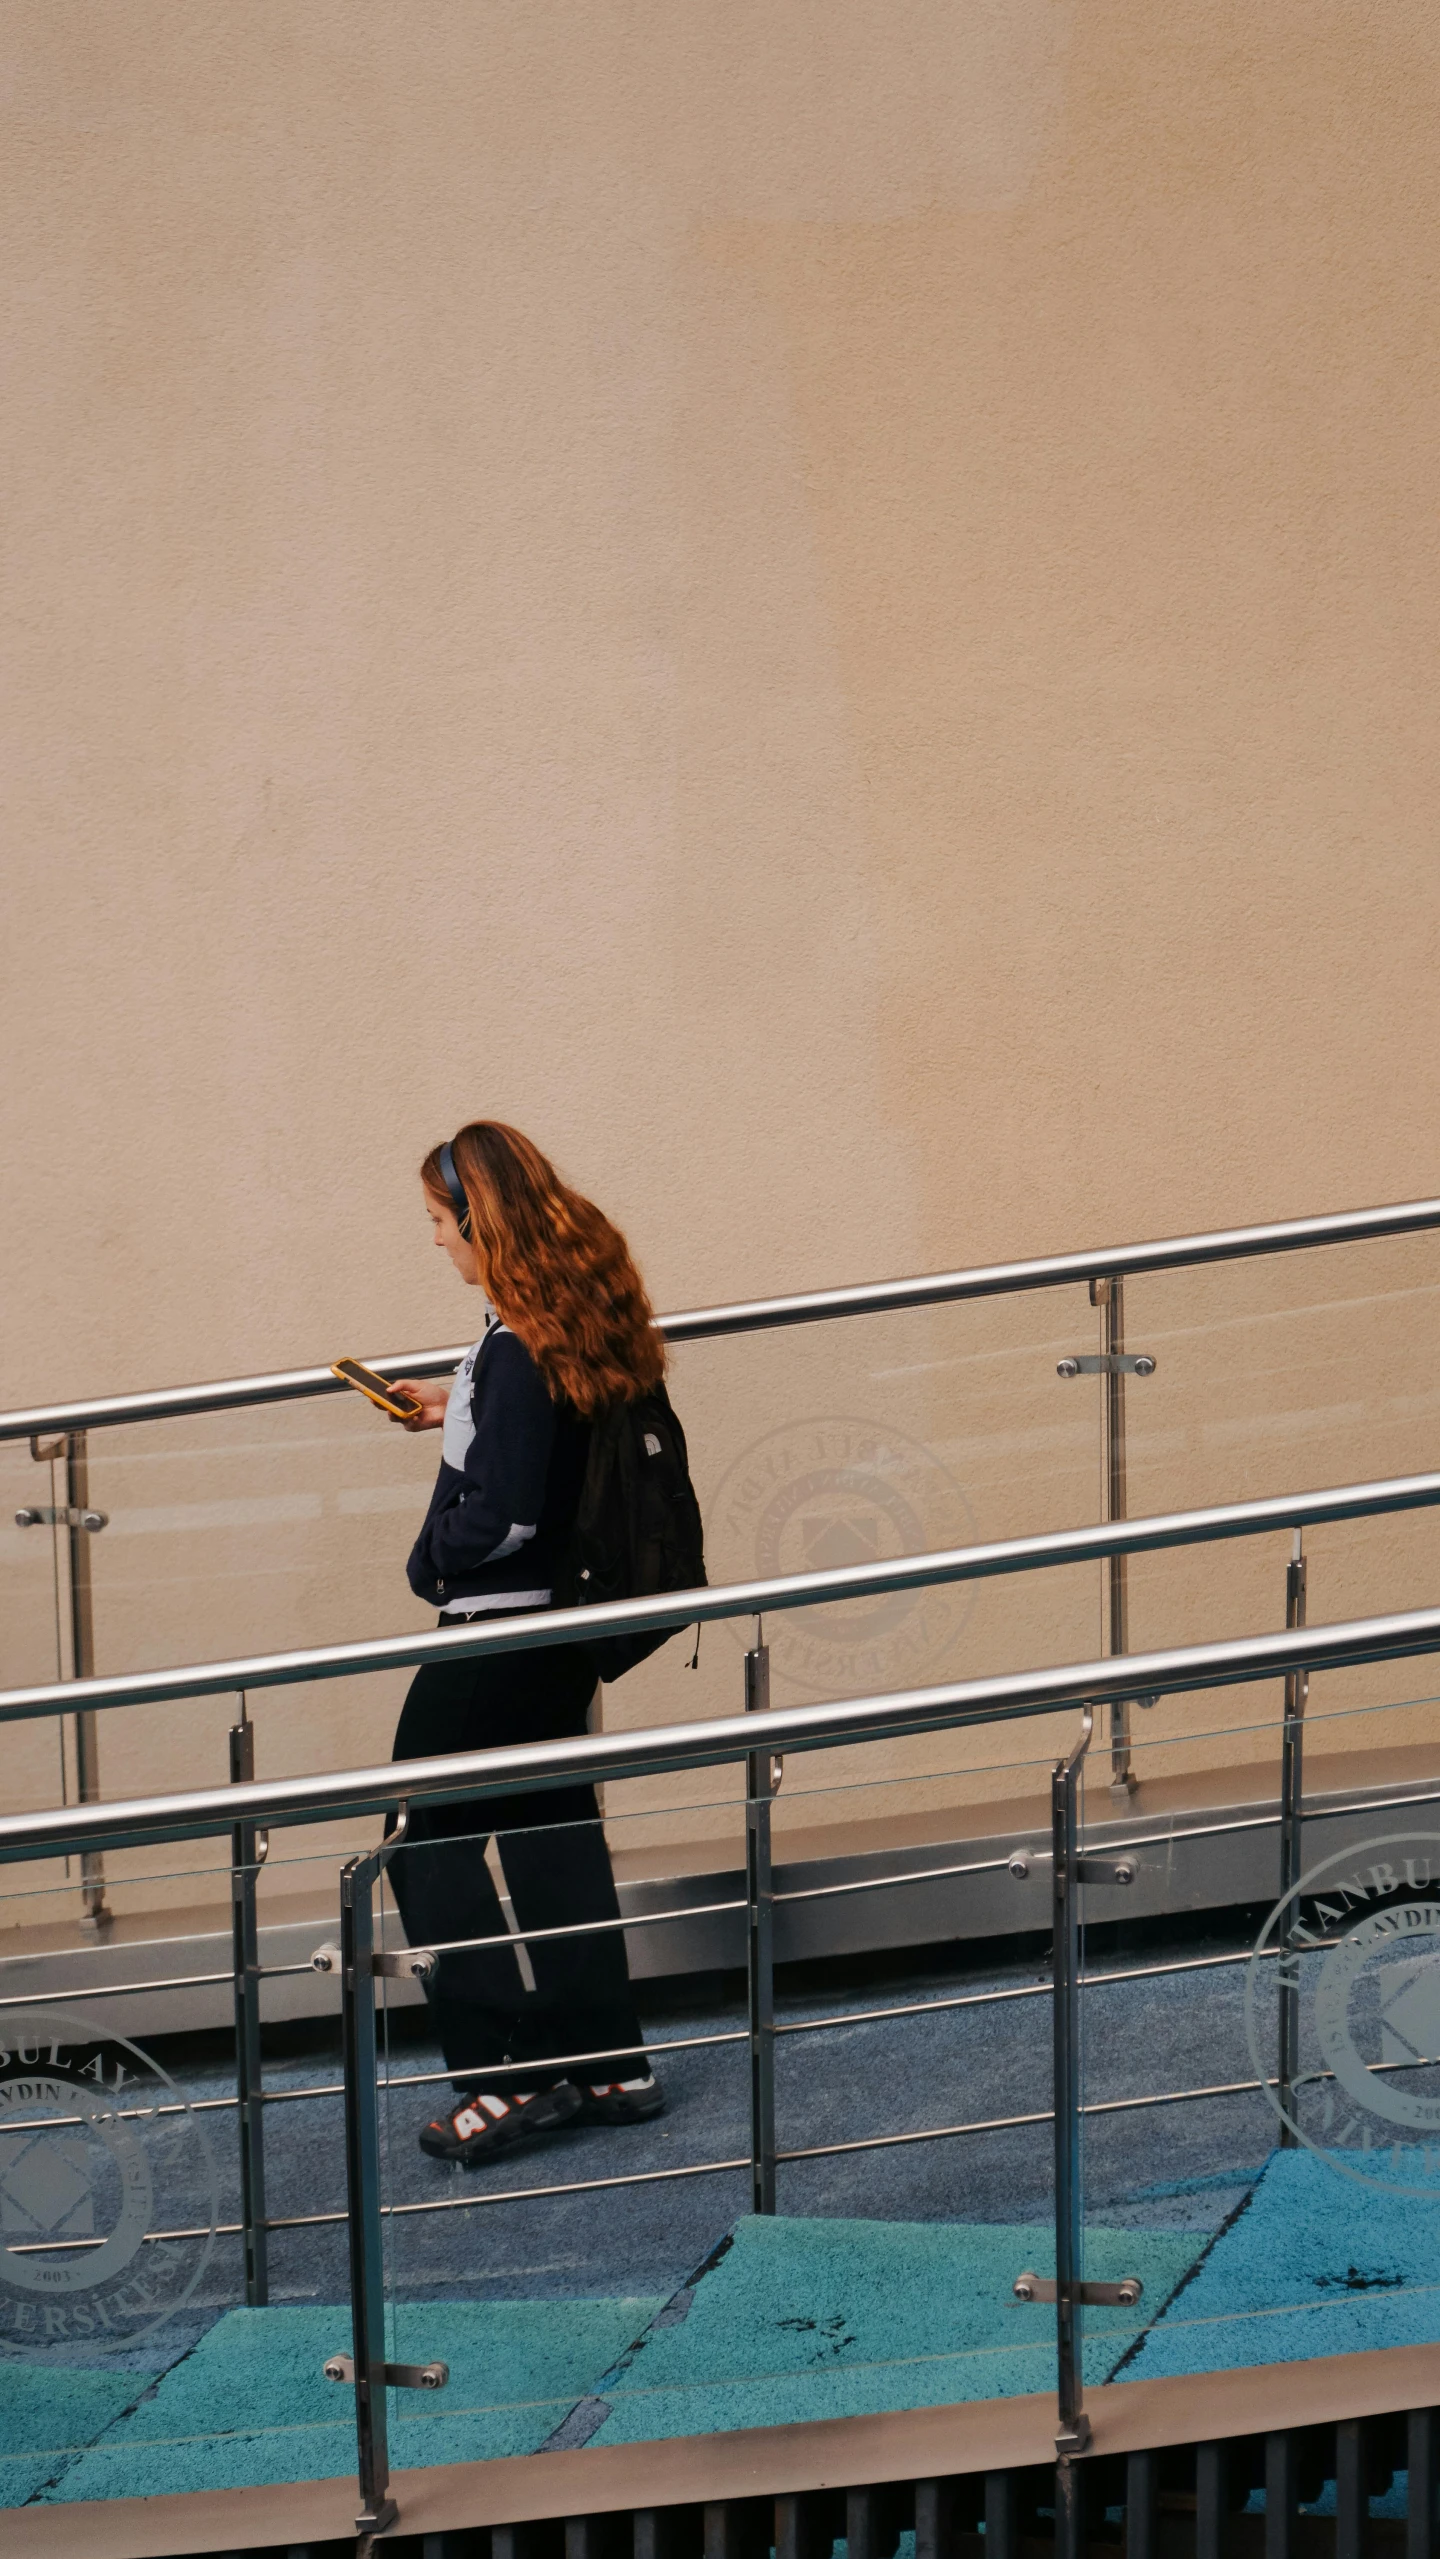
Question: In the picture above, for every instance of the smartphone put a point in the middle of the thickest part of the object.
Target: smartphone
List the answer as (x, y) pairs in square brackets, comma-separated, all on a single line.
[(378, 1389)]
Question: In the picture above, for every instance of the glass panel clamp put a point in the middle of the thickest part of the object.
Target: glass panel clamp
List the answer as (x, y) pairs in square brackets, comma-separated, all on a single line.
[(402, 1963), (397, 2376), (1104, 1870), (1107, 1364), (1120, 2296)]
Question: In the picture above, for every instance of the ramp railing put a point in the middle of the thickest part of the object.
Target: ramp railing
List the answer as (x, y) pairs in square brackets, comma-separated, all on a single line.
[(758, 1742), (85, 1514)]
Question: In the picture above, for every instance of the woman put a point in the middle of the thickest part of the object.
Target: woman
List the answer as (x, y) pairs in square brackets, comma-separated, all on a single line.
[(568, 1331)]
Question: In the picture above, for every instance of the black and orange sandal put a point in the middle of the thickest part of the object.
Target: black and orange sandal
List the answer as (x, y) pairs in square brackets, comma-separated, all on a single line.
[(485, 2122)]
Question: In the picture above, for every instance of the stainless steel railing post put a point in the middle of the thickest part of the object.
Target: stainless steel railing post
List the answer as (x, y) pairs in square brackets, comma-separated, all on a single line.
[(248, 1847), (1074, 2430), (762, 1776), (1292, 1795), (362, 2187), (1109, 1296), (95, 1914)]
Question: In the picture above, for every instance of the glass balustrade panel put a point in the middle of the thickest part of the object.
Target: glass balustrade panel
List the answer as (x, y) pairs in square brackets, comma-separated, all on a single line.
[(35, 1644), (288, 1525), (149, 2351), (269, 1529), (35, 1628), (828, 1444), (1249, 2190), (837, 1444), (564, 2107), (607, 2280), (915, 2146), (1261, 2039), (857, 1442), (1287, 1374), (142, 1752)]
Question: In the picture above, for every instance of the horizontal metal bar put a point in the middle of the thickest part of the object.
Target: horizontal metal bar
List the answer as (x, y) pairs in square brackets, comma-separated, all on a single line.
[(720, 2167), (829, 1892), (865, 1884), (150, 2239), (523, 2194), (918, 2008), (675, 2044), (132, 1989), (437, 2078), (578, 2186), (914, 1875), (1119, 1841), (768, 1314), (560, 2061), (531, 1766), (1183, 2096), (901, 2141), (1009, 2123), (535, 1628), (114, 1990), (1029, 1990), (219, 1395), (1058, 1270), (709, 1909), (577, 1928), (1323, 1808)]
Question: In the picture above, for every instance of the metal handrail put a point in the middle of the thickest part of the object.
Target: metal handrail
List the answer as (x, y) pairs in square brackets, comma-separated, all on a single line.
[(658, 1750), (752, 1738), (534, 1629), (766, 1314)]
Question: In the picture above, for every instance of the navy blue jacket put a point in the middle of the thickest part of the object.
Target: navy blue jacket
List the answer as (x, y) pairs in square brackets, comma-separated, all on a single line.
[(508, 1489)]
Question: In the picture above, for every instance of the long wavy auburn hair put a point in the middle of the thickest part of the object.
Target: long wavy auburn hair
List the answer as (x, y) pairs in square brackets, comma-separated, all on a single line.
[(554, 1269)]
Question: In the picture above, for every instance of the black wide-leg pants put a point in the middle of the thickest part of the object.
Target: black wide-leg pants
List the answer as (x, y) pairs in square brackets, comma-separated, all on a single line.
[(557, 1872)]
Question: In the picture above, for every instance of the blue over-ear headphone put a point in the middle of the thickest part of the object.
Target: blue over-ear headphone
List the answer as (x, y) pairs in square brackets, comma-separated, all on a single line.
[(456, 1189)]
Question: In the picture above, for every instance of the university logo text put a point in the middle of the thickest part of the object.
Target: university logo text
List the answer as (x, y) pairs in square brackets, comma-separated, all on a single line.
[(1355, 1947), (107, 2190)]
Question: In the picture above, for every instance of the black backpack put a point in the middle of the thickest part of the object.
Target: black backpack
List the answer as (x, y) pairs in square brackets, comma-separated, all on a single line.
[(638, 1530)]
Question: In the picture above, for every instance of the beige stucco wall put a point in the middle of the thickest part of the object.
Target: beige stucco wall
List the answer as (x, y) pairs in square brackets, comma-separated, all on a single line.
[(833, 608)]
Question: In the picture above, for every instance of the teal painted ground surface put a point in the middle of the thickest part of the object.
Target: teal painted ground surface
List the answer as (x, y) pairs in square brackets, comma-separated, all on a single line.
[(45, 2413), (250, 2406), (1316, 2263), (804, 2319), (794, 2319), (791, 2319)]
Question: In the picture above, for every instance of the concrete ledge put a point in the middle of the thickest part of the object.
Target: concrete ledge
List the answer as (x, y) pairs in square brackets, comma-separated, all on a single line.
[(841, 2452)]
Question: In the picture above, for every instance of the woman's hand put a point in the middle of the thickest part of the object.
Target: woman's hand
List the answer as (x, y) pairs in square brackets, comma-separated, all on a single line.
[(432, 1394)]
